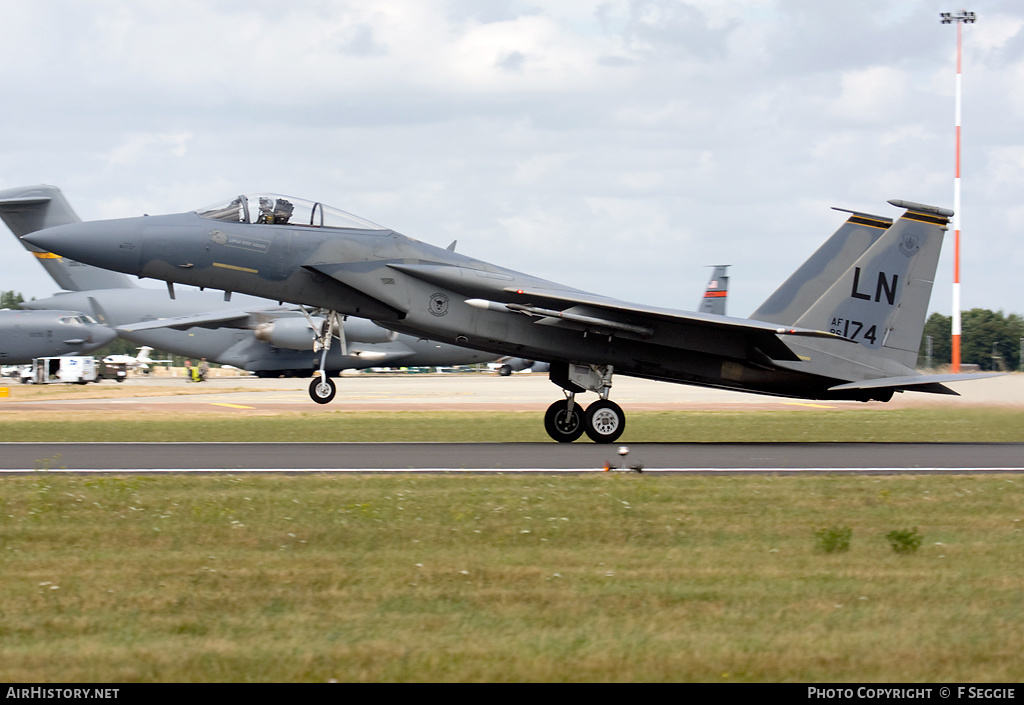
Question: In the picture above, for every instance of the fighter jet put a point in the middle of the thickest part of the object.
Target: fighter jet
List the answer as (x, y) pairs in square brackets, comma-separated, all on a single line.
[(250, 333), (847, 325), (26, 335)]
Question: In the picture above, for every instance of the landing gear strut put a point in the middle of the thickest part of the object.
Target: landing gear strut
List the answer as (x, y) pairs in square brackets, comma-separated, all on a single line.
[(322, 389), (565, 421)]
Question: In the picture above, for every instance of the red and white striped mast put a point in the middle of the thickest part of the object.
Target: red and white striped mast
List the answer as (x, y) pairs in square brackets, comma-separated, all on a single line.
[(960, 18)]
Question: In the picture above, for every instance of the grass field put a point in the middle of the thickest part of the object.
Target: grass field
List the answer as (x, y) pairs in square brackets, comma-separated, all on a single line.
[(508, 578), (511, 578), (966, 424)]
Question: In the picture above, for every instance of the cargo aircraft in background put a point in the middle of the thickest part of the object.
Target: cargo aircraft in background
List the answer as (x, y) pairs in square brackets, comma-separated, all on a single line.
[(250, 333), (26, 335), (716, 291), (846, 325)]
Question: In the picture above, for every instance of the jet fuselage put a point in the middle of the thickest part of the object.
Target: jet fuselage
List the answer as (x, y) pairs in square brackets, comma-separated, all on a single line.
[(416, 288)]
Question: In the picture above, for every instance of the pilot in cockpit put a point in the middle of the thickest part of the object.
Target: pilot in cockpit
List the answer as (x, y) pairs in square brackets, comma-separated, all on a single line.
[(275, 212), (283, 211)]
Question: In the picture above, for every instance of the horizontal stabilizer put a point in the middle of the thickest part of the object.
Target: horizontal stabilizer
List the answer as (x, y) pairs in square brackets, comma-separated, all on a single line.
[(919, 383)]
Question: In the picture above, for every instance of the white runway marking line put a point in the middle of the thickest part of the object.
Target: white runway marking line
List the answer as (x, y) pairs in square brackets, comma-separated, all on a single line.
[(760, 471)]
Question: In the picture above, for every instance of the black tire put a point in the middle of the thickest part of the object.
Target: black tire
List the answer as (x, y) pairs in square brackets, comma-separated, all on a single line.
[(322, 390), (505, 370), (605, 421), (562, 426)]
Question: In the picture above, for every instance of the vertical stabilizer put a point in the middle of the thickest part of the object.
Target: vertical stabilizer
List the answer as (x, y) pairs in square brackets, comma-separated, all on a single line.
[(716, 292), (28, 209), (806, 285), (881, 300)]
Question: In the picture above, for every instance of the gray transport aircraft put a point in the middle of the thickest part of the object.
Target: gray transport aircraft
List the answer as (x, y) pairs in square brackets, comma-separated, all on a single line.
[(248, 332), (26, 335), (713, 301), (846, 325)]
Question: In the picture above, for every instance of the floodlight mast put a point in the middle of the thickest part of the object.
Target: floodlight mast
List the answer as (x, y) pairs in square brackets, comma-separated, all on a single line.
[(960, 18)]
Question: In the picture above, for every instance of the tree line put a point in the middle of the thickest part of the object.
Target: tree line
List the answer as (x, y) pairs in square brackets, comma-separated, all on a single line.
[(989, 339)]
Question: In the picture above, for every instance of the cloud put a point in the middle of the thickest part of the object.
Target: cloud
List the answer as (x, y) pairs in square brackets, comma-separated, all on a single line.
[(616, 145), (873, 95), (137, 147)]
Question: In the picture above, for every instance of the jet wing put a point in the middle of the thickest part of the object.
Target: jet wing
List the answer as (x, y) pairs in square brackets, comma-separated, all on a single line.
[(569, 307), (589, 310), (237, 318)]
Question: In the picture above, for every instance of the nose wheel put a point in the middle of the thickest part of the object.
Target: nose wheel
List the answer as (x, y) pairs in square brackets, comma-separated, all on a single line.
[(322, 389)]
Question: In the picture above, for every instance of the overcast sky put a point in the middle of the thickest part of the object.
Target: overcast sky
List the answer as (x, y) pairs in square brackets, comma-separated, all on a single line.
[(619, 146)]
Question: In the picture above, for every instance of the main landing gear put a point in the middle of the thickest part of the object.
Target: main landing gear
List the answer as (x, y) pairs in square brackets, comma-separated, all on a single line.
[(566, 420)]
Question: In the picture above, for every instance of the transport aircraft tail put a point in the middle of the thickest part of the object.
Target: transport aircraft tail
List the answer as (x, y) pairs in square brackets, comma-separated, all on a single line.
[(716, 292), (28, 209)]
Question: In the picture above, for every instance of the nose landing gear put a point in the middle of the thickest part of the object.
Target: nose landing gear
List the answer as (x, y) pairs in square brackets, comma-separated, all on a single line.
[(322, 389)]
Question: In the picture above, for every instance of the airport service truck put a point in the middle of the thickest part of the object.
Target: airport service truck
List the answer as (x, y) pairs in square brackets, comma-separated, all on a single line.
[(63, 370)]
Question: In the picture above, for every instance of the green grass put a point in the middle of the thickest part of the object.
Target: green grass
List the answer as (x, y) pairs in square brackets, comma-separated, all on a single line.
[(508, 578), (991, 424)]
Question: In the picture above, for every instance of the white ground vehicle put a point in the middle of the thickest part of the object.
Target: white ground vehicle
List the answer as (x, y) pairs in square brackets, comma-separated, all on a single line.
[(63, 370)]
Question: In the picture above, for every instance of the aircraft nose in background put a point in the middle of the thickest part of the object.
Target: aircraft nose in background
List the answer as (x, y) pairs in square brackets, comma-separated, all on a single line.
[(101, 335), (108, 244)]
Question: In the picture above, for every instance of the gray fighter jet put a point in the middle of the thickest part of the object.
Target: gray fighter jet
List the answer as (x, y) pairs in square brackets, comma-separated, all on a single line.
[(846, 325), (250, 333), (26, 335)]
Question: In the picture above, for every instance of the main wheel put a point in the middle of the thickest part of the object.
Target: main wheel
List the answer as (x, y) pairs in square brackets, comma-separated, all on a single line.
[(321, 389), (561, 425), (605, 421)]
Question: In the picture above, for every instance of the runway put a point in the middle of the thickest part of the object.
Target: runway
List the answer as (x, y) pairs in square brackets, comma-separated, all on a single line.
[(708, 458), (478, 393), (443, 392)]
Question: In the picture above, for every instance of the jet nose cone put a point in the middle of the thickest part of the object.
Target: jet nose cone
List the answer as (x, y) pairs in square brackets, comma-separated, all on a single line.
[(110, 244)]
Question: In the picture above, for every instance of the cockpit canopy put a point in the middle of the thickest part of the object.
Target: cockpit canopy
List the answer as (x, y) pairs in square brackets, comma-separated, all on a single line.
[(274, 209), (78, 318)]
